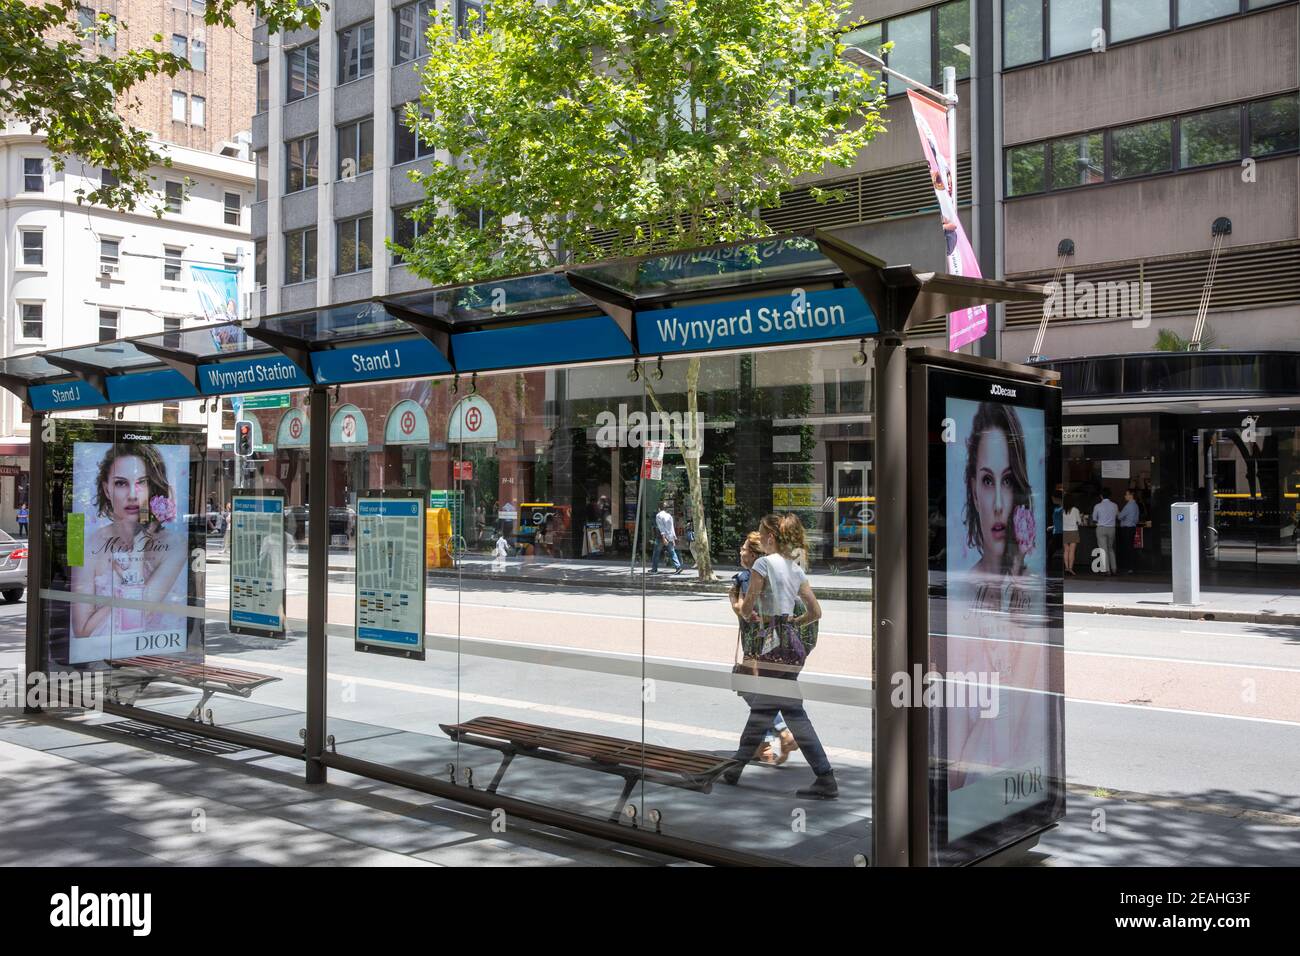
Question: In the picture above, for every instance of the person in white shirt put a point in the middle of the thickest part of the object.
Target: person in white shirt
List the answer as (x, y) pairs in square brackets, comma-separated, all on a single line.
[(1105, 515), (1070, 527), (666, 539)]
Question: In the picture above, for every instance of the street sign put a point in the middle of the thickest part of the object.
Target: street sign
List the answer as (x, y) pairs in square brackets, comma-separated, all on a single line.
[(653, 466), (274, 400)]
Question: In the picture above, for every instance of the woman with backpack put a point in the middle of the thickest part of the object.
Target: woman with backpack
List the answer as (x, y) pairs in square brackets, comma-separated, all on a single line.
[(776, 650)]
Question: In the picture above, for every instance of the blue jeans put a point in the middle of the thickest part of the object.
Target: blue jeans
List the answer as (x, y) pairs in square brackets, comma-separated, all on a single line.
[(672, 555), (763, 710)]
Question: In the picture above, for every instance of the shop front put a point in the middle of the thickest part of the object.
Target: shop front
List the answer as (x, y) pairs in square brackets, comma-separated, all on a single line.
[(546, 431), (1219, 428)]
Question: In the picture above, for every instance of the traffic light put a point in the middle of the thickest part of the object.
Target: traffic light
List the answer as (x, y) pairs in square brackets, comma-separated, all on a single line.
[(243, 438)]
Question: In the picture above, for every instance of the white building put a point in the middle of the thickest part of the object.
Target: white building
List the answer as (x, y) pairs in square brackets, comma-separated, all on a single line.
[(75, 274)]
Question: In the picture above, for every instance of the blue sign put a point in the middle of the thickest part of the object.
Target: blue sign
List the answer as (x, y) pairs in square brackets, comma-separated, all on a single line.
[(575, 340), (828, 314), (257, 505), (408, 357), (389, 508), (53, 398), (159, 386), (251, 375)]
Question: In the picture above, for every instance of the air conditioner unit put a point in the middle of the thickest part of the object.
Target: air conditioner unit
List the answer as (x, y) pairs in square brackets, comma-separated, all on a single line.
[(107, 269)]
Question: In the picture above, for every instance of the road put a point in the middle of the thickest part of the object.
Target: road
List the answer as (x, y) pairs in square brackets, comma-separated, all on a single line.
[(1205, 711)]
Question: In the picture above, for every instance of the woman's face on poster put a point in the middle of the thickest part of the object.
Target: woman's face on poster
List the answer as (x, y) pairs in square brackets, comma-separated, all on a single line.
[(994, 491), (127, 488)]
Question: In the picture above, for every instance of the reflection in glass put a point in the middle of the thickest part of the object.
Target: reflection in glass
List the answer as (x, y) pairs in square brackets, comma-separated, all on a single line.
[(1275, 125), (1135, 18), (1210, 137), (1026, 169), (1078, 161), (1142, 149), (1022, 32), (1074, 25)]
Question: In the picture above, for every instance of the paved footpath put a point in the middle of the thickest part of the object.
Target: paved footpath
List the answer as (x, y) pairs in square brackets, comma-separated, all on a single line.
[(95, 790)]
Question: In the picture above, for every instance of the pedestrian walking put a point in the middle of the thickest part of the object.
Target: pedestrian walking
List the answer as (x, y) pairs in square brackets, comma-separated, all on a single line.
[(1105, 516), (23, 515), (777, 581), (1070, 529), (666, 540), (1129, 516)]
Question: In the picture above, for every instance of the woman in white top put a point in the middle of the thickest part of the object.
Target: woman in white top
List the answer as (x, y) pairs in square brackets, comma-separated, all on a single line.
[(777, 580), (1070, 527)]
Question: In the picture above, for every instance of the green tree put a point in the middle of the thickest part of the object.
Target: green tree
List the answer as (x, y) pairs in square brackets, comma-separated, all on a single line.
[(79, 99), (598, 128)]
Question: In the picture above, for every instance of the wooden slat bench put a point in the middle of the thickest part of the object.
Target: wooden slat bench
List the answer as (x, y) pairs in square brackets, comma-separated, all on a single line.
[(630, 760), (205, 677)]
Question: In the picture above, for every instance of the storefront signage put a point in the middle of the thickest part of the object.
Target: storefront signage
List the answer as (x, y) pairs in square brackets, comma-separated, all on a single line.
[(472, 420), (407, 425), (348, 427), (364, 363), (52, 398), (271, 371), (257, 562), (294, 430), (155, 386), (1116, 468), (390, 571), (797, 317), (1090, 434), (10, 471), (794, 497), (462, 471)]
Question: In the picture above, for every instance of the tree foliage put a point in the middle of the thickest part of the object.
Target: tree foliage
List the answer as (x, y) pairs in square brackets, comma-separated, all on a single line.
[(597, 128), (78, 98)]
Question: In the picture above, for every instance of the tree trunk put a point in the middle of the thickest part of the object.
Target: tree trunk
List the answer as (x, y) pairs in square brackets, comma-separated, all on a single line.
[(692, 439)]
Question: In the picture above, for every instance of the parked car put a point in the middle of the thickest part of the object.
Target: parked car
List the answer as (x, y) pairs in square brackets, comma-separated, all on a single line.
[(13, 567)]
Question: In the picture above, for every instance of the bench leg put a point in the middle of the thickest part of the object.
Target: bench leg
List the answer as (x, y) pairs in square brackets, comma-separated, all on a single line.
[(197, 712), (501, 771), (628, 784)]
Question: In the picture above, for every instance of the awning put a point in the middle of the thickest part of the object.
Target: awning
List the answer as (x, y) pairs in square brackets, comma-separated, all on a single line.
[(804, 287)]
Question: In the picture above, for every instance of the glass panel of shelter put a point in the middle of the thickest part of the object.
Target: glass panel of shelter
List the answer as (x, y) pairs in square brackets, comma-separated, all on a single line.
[(785, 432)]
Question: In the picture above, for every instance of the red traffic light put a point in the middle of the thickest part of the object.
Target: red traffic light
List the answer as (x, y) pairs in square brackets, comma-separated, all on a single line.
[(243, 438)]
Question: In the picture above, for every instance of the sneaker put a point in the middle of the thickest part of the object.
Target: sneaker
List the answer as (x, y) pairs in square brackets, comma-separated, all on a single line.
[(678, 571), (822, 788)]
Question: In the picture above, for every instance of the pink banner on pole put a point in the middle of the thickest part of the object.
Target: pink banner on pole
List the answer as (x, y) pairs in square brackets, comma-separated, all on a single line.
[(964, 325)]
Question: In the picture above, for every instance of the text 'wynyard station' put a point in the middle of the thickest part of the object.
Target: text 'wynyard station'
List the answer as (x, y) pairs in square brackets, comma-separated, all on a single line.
[(252, 374), (829, 313)]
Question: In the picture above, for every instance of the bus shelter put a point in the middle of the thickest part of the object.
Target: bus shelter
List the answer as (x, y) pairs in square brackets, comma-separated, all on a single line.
[(440, 555)]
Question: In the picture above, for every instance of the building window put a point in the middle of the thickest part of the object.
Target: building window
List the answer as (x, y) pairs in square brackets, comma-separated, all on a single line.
[(198, 111), (303, 66), (953, 29), (233, 203), (406, 144), (911, 53), (178, 106), (198, 55), (231, 261), (33, 174), (1078, 160), (1274, 125), (1198, 11), (469, 15), (263, 86), (110, 42), (33, 320), (1071, 25), (1210, 137), (1137, 18), (1026, 169), (1141, 149), (413, 21), (172, 256), (300, 159), (86, 18), (227, 415), (107, 325), (259, 263), (356, 52), (180, 46), (1022, 32), (108, 178), (353, 245), (356, 148), (299, 256), (33, 247), (260, 172), (109, 254), (405, 229), (175, 196)]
